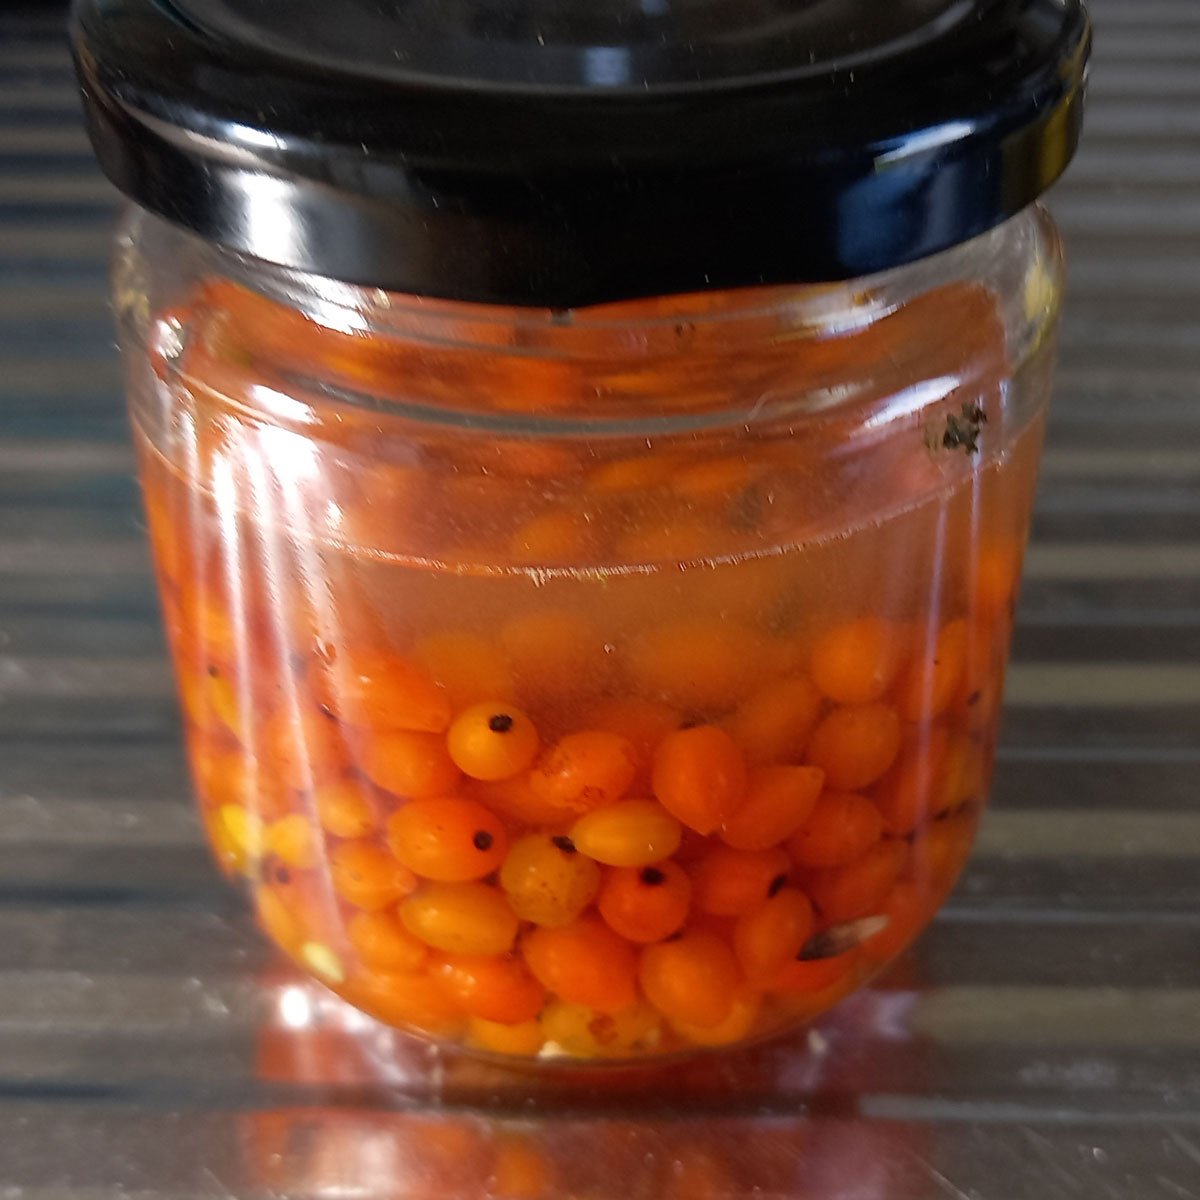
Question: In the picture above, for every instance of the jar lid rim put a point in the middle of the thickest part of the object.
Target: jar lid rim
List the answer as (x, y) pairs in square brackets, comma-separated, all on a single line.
[(510, 175)]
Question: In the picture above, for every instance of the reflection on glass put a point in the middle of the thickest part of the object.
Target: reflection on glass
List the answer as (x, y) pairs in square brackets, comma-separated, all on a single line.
[(382, 1115)]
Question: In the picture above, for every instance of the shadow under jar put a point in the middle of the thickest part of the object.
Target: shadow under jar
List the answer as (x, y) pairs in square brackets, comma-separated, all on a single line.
[(597, 680)]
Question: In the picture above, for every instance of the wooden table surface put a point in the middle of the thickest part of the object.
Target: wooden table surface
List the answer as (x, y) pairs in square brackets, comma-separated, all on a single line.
[(1044, 1039)]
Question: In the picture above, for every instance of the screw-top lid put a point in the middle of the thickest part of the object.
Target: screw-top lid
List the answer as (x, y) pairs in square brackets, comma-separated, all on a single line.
[(567, 152)]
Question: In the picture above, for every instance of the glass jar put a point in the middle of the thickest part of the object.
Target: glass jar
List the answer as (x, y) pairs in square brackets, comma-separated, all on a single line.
[(611, 682), (588, 459)]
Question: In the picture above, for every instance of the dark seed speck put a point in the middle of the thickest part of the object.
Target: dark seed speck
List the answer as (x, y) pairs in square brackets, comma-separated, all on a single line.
[(652, 876), (564, 843), (500, 723), (482, 840)]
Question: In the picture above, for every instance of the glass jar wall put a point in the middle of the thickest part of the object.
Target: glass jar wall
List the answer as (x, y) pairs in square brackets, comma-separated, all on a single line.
[(601, 684)]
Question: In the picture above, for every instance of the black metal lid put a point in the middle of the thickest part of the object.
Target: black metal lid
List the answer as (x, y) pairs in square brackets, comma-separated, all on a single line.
[(567, 152)]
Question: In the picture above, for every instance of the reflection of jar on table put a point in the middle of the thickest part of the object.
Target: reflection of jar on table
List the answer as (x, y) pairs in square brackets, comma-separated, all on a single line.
[(775, 1119)]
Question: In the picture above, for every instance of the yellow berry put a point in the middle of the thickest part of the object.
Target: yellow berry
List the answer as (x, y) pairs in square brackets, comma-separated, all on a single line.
[(322, 961), (460, 918), (492, 741), (583, 1032), (292, 839), (547, 880), (630, 833), (524, 1038), (244, 833)]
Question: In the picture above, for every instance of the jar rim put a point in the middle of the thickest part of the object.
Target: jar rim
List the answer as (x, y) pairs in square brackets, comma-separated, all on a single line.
[(824, 308), (640, 333)]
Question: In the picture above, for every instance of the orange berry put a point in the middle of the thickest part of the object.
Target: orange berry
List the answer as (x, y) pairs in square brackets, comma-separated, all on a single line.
[(860, 888), (492, 741), (468, 666), (693, 979), (940, 851), (983, 663), (347, 808), (523, 1039), (700, 664), (527, 384), (963, 774), (380, 690), (584, 963), (929, 684), (215, 630), (367, 876), (855, 746), (408, 764), (383, 944), (209, 696), (169, 544), (766, 939), (494, 988), (278, 919), (301, 747), (516, 801), (816, 974), (778, 801), (630, 833), (645, 904), (580, 1030), (712, 481), (461, 918), (547, 881), (402, 999), (906, 795), (855, 663), (643, 723), (312, 914), (843, 826), (997, 577), (227, 706), (773, 724), (699, 777), (730, 883), (553, 538), (293, 840), (585, 770), (554, 654), (449, 840), (232, 776), (632, 474), (736, 1027)]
